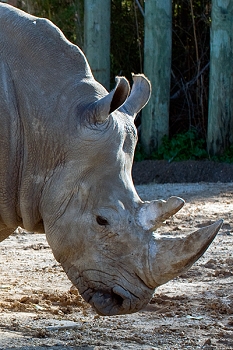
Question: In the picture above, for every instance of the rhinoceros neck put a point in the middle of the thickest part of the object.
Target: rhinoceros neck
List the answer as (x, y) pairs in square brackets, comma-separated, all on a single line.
[(37, 67)]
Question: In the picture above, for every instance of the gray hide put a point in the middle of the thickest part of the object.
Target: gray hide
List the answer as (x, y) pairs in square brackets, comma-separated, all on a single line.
[(67, 149)]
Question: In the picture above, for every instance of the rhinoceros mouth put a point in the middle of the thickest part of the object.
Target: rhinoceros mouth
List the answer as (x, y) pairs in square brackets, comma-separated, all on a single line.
[(118, 301)]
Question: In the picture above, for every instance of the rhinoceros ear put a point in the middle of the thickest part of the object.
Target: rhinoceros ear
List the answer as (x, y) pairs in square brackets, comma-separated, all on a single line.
[(101, 109), (140, 95)]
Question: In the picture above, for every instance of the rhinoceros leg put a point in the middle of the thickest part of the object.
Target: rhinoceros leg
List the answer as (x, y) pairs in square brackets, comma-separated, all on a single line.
[(5, 232)]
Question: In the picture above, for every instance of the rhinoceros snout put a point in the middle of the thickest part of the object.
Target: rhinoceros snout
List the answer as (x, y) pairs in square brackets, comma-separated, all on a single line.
[(116, 302)]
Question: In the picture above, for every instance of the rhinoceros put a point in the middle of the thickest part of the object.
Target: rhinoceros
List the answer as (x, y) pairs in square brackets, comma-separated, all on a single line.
[(67, 149)]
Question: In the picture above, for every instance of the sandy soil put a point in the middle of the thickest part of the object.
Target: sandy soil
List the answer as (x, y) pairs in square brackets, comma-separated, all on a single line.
[(40, 309)]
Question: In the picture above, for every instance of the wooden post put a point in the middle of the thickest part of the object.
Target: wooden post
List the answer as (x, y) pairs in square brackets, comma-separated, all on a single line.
[(157, 67), (220, 115), (97, 38)]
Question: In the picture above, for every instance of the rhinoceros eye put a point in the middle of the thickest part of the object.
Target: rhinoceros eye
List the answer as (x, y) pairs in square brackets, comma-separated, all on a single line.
[(101, 221)]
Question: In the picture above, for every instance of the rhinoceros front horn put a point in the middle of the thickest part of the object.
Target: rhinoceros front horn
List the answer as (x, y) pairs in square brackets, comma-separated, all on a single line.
[(171, 256)]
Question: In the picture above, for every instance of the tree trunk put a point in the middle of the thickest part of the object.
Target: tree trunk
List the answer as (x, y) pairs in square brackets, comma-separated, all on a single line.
[(97, 38), (220, 115), (157, 67)]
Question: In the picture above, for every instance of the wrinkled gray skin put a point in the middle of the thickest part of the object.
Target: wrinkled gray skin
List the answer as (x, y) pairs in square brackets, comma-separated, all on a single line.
[(67, 149)]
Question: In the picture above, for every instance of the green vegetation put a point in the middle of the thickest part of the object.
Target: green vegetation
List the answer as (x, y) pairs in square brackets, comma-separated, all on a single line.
[(226, 157), (184, 146)]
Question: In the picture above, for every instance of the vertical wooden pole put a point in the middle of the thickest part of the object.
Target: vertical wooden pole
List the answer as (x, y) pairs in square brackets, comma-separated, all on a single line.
[(97, 38), (220, 115), (157, 67)]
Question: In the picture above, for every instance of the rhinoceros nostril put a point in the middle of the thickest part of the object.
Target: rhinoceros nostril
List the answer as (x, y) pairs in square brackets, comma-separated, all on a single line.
[(110, 303), (117, 298)]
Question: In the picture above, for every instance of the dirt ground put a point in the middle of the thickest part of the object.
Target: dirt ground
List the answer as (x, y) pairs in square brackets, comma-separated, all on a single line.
[(39, 308)]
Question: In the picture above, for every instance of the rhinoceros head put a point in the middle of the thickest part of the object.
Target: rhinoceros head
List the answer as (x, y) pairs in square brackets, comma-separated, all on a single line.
[(99, 229)]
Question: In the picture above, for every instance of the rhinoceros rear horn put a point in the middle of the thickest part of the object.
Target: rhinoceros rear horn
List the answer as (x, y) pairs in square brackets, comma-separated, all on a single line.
[(101, 109), (152, 214)]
